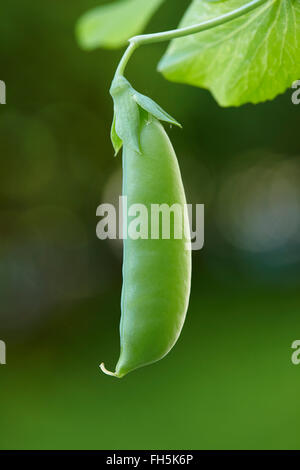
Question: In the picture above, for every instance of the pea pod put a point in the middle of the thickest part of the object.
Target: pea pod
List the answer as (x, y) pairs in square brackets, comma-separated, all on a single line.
[(156, 272)]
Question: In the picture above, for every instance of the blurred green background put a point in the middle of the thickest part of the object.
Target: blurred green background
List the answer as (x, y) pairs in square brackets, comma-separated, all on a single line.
[(229, 383)]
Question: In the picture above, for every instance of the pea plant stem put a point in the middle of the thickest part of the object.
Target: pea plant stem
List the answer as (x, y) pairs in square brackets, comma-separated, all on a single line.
[(125, 59), (137, 41)]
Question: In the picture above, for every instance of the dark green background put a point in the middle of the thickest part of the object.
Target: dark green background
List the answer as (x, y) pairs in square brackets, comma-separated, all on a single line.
[(229, 382)]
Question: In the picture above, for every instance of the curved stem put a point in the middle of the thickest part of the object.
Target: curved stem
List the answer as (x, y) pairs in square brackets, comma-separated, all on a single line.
[(137, 41), (125, 59), (209, 24)]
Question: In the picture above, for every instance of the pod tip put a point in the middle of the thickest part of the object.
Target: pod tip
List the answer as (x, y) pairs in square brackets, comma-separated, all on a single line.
[(107, 372)]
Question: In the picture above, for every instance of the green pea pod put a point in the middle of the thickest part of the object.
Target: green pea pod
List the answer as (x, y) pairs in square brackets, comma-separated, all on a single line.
[(156, 272), (156, 268)]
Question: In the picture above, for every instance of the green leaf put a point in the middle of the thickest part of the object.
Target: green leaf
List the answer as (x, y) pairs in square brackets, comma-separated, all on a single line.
[(251, 59), (111, 25), (116, 141), (128, 104), (153, 108), (126, 116)]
